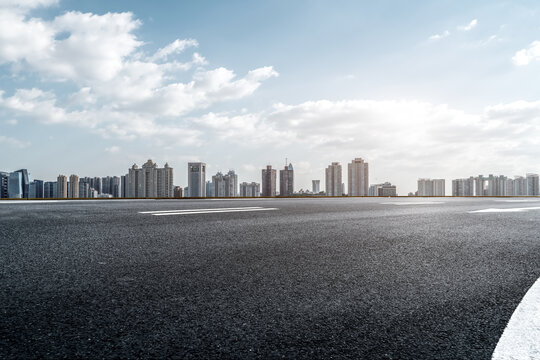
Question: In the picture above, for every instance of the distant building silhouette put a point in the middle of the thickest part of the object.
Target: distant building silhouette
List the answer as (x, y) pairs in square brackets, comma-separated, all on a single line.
[(316, 186), (73, 190), (149, 181), (384, 189), (250, 189), (61, 187), (196, 179), (286, 181), (333, 176), (358, 171), (429, 187), (268, 181)]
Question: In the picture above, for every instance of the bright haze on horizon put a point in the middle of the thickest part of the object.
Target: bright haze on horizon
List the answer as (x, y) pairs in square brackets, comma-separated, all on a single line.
[(423, 89)]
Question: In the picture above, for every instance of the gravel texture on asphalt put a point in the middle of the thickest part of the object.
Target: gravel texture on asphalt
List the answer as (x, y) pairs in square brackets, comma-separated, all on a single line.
[(317, 278)]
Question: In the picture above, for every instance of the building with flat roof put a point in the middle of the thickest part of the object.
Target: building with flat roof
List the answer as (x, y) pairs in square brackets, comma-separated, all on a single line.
[(333, 177), (268, 181)]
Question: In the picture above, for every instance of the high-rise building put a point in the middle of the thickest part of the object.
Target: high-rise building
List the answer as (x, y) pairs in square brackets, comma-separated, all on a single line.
[(431, 187), (286, 181), (97, 184), (250, 189), (196, 179), (4, 177), (165, 182), (61, 187), (268, 181), (124, 186), (149, 181), (480, 186), (49, 190), (224, 185), (210, 189), (333, 176), (316, 186), (84, 188), (15, 185), (73, 186), (463, 187), (533, 188), (36, 189), (358, 171), (520, 186), (116, 187)]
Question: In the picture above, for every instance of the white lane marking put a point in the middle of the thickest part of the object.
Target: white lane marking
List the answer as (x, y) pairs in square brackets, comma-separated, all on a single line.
[(520, 200), (414, 203), (188, 210), (213, 211), (497, 210), (521, 338)]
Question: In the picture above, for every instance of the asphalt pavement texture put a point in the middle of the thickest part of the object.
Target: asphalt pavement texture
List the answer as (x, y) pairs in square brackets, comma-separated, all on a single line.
[(328, 278)]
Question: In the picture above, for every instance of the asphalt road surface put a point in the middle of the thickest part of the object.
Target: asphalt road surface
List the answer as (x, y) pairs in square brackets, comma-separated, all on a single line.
[(362, 278)]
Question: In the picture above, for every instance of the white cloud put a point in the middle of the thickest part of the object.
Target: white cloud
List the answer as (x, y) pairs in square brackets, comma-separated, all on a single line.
[(121, 92), (176, 47), (438, 37), (12, 122), (525, 56), (469, 26), (12, 142)]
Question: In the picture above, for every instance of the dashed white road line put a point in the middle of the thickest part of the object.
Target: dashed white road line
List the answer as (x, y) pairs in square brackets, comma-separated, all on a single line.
[(521, 338), (519, 200), (206, 211), (503, 210), (413, 203)]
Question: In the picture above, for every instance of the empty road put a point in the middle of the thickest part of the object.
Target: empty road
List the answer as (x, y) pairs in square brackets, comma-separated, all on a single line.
[(372, 278)]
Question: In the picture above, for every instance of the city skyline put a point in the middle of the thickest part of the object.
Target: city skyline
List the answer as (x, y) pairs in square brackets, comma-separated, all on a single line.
[(444, 100)]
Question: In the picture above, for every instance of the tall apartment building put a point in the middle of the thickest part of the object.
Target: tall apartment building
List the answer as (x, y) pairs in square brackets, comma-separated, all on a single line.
[(149, 181), (49, 190), (431, 187), (73, 191), (4, 177), (533, 188), (316, 186), (268, 181), (463, 187), (224, 185), (61, 187), (250, 189), (480, 186), (520, 186), (84, 188), (358, 179), (286, 181), (36, 189), (333, 178), (196, 179), (209, 189)]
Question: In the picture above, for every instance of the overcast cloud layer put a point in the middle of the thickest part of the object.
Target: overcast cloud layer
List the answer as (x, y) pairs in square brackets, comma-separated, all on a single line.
[(91, 73)]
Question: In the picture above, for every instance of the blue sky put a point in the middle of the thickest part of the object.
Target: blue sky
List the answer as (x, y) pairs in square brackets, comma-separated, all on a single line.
[(441, 89)]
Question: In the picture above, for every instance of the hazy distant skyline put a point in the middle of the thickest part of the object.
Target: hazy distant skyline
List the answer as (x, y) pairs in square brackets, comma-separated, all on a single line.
[(435, 89)]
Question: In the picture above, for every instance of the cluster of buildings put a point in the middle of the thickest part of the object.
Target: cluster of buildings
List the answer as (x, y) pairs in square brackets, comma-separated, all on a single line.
[(151, 181), (494, 185)]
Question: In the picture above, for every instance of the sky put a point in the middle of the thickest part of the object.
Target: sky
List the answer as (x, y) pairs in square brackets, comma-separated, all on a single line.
[(423, 89)]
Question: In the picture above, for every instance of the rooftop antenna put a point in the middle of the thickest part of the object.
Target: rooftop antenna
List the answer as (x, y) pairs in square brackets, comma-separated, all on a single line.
[(286, 161)]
